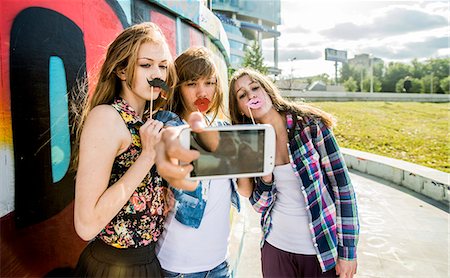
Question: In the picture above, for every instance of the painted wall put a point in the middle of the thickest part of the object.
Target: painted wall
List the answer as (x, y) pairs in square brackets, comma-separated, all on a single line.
[(45, 47)]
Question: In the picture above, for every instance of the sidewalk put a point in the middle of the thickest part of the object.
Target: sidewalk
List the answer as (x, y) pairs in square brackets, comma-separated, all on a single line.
[(403, 234)]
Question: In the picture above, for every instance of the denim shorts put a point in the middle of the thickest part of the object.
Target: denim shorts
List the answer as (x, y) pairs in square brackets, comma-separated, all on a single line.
[(222, 271)]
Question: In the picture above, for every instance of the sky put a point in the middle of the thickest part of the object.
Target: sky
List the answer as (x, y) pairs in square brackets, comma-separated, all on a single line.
[(390, 30)]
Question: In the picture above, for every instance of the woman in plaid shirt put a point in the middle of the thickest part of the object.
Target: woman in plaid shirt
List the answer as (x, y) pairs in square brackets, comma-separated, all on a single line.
[(309, 214)]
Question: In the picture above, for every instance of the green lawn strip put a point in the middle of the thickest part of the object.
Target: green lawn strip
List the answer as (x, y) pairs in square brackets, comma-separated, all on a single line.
[(410, 131)]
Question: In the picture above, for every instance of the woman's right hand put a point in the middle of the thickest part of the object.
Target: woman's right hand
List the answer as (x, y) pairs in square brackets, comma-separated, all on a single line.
[(150, 133)]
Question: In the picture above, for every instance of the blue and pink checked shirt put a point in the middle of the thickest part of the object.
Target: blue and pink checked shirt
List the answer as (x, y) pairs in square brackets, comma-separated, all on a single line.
[(329, 195)]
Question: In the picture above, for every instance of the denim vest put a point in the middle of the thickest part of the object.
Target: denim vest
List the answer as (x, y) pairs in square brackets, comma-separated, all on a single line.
[(168, 118), (191, 205)]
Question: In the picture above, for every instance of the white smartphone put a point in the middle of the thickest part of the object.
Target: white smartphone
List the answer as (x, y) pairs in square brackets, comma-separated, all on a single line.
[(236, 151)]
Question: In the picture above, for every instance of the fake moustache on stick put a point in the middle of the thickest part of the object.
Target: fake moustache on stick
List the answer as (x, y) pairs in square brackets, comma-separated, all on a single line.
[(157, 82)]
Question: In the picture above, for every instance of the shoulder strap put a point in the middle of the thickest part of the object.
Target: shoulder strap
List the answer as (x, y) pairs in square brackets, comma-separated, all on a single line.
[(130, 121)]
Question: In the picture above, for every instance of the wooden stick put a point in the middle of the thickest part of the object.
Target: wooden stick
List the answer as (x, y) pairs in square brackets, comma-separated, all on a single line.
[(151, 103), (251, 115)]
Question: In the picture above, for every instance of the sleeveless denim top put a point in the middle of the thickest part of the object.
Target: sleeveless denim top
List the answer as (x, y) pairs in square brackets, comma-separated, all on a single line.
[(141, 220), (191, 205)]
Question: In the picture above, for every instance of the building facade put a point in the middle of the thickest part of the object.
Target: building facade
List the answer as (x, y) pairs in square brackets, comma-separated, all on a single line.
[(249, 20)]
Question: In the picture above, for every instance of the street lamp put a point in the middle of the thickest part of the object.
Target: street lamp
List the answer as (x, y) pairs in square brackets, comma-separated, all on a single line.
[(292, 71), (431, 82), (371, 72)]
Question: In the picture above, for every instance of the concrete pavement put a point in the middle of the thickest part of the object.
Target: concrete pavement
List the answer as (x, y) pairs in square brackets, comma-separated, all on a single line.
[(403, 233)]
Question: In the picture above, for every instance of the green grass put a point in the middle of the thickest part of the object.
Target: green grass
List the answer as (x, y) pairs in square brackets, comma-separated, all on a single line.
[(410, 131)]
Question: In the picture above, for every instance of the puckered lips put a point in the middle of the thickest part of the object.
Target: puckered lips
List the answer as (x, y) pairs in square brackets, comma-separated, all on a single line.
[(255, 103), (202, 104)]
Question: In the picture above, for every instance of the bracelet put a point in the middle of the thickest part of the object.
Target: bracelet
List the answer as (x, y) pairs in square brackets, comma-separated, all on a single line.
[(266, 183)]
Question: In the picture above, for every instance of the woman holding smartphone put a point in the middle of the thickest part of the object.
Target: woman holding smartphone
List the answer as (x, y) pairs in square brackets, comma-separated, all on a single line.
[(309, 213), (195, 239), (119, 197)]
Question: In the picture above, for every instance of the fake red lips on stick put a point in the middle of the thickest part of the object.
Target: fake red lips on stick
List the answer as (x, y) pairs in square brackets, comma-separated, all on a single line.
[(202, 104)]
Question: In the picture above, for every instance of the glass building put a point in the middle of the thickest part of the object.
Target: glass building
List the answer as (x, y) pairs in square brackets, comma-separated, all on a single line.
[(247, 20)]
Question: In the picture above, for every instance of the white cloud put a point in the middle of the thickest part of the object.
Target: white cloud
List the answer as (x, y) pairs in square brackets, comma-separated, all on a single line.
[(393, 22), (391, 30)]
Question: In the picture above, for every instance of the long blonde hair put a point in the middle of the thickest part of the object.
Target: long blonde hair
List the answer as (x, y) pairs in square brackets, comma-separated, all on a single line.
[(121, 55), (193, 64), (280, 104)]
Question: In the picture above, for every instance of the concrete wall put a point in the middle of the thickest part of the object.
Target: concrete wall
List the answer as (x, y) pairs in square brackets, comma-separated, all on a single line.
[(358, 96), (426, 181), (46, 48)]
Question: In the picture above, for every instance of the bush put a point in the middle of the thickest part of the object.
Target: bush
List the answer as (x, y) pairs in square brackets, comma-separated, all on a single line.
[(428, 81), (416, 86), (376, 85), (350, 85), (445, 85)]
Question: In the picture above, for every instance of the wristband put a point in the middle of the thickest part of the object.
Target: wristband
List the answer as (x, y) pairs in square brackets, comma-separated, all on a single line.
[(266, 183)]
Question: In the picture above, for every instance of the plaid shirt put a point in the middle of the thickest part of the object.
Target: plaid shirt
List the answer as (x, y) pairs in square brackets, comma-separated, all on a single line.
[(317, 162)]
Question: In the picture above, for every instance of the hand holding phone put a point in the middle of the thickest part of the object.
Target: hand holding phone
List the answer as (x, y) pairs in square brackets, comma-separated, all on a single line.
[(169, 152), (231, 151)]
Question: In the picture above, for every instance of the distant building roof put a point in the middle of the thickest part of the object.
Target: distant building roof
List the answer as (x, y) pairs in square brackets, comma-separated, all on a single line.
[(317, 86)]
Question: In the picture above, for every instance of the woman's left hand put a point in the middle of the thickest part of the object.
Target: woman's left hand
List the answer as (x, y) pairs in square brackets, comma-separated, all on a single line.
[(346, 269)]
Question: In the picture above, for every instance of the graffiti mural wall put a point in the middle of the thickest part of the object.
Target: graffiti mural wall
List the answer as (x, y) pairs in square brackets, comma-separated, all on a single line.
[(46, 47)]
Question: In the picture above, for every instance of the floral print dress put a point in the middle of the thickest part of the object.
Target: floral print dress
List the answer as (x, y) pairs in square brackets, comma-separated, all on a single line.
[(141, 220)]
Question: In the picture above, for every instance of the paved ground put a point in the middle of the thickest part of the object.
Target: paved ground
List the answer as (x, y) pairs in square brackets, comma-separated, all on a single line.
[(402, 234)]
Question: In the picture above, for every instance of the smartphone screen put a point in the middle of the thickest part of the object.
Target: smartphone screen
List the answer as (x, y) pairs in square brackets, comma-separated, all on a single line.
[(228, 152)]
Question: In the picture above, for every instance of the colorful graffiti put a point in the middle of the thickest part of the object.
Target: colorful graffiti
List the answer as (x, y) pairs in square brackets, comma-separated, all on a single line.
[(46, 47)]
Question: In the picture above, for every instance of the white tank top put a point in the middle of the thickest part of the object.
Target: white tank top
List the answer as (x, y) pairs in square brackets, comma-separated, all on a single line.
[(183, 249), (290, 221)]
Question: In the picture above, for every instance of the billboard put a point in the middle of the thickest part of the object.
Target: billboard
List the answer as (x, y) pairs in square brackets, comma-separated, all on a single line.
[(336, 55)]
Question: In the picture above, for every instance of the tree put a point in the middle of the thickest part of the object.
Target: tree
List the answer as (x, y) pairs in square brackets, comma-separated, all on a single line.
[(424, 75), (230, 72), (348, 71), (324, 77), (439, 68), (376, 84), (418, 69), (430, 84), (350, 85), (378, 69), (416, 85), (394, 72), (254, 59), (445, 85)]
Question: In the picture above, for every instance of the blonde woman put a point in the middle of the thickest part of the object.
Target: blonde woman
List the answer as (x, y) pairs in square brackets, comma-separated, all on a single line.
[(119, 197)]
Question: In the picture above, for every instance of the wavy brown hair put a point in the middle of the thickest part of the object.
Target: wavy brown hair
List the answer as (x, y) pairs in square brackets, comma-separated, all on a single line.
[(280, 104), (193, 64), (121, 55)]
